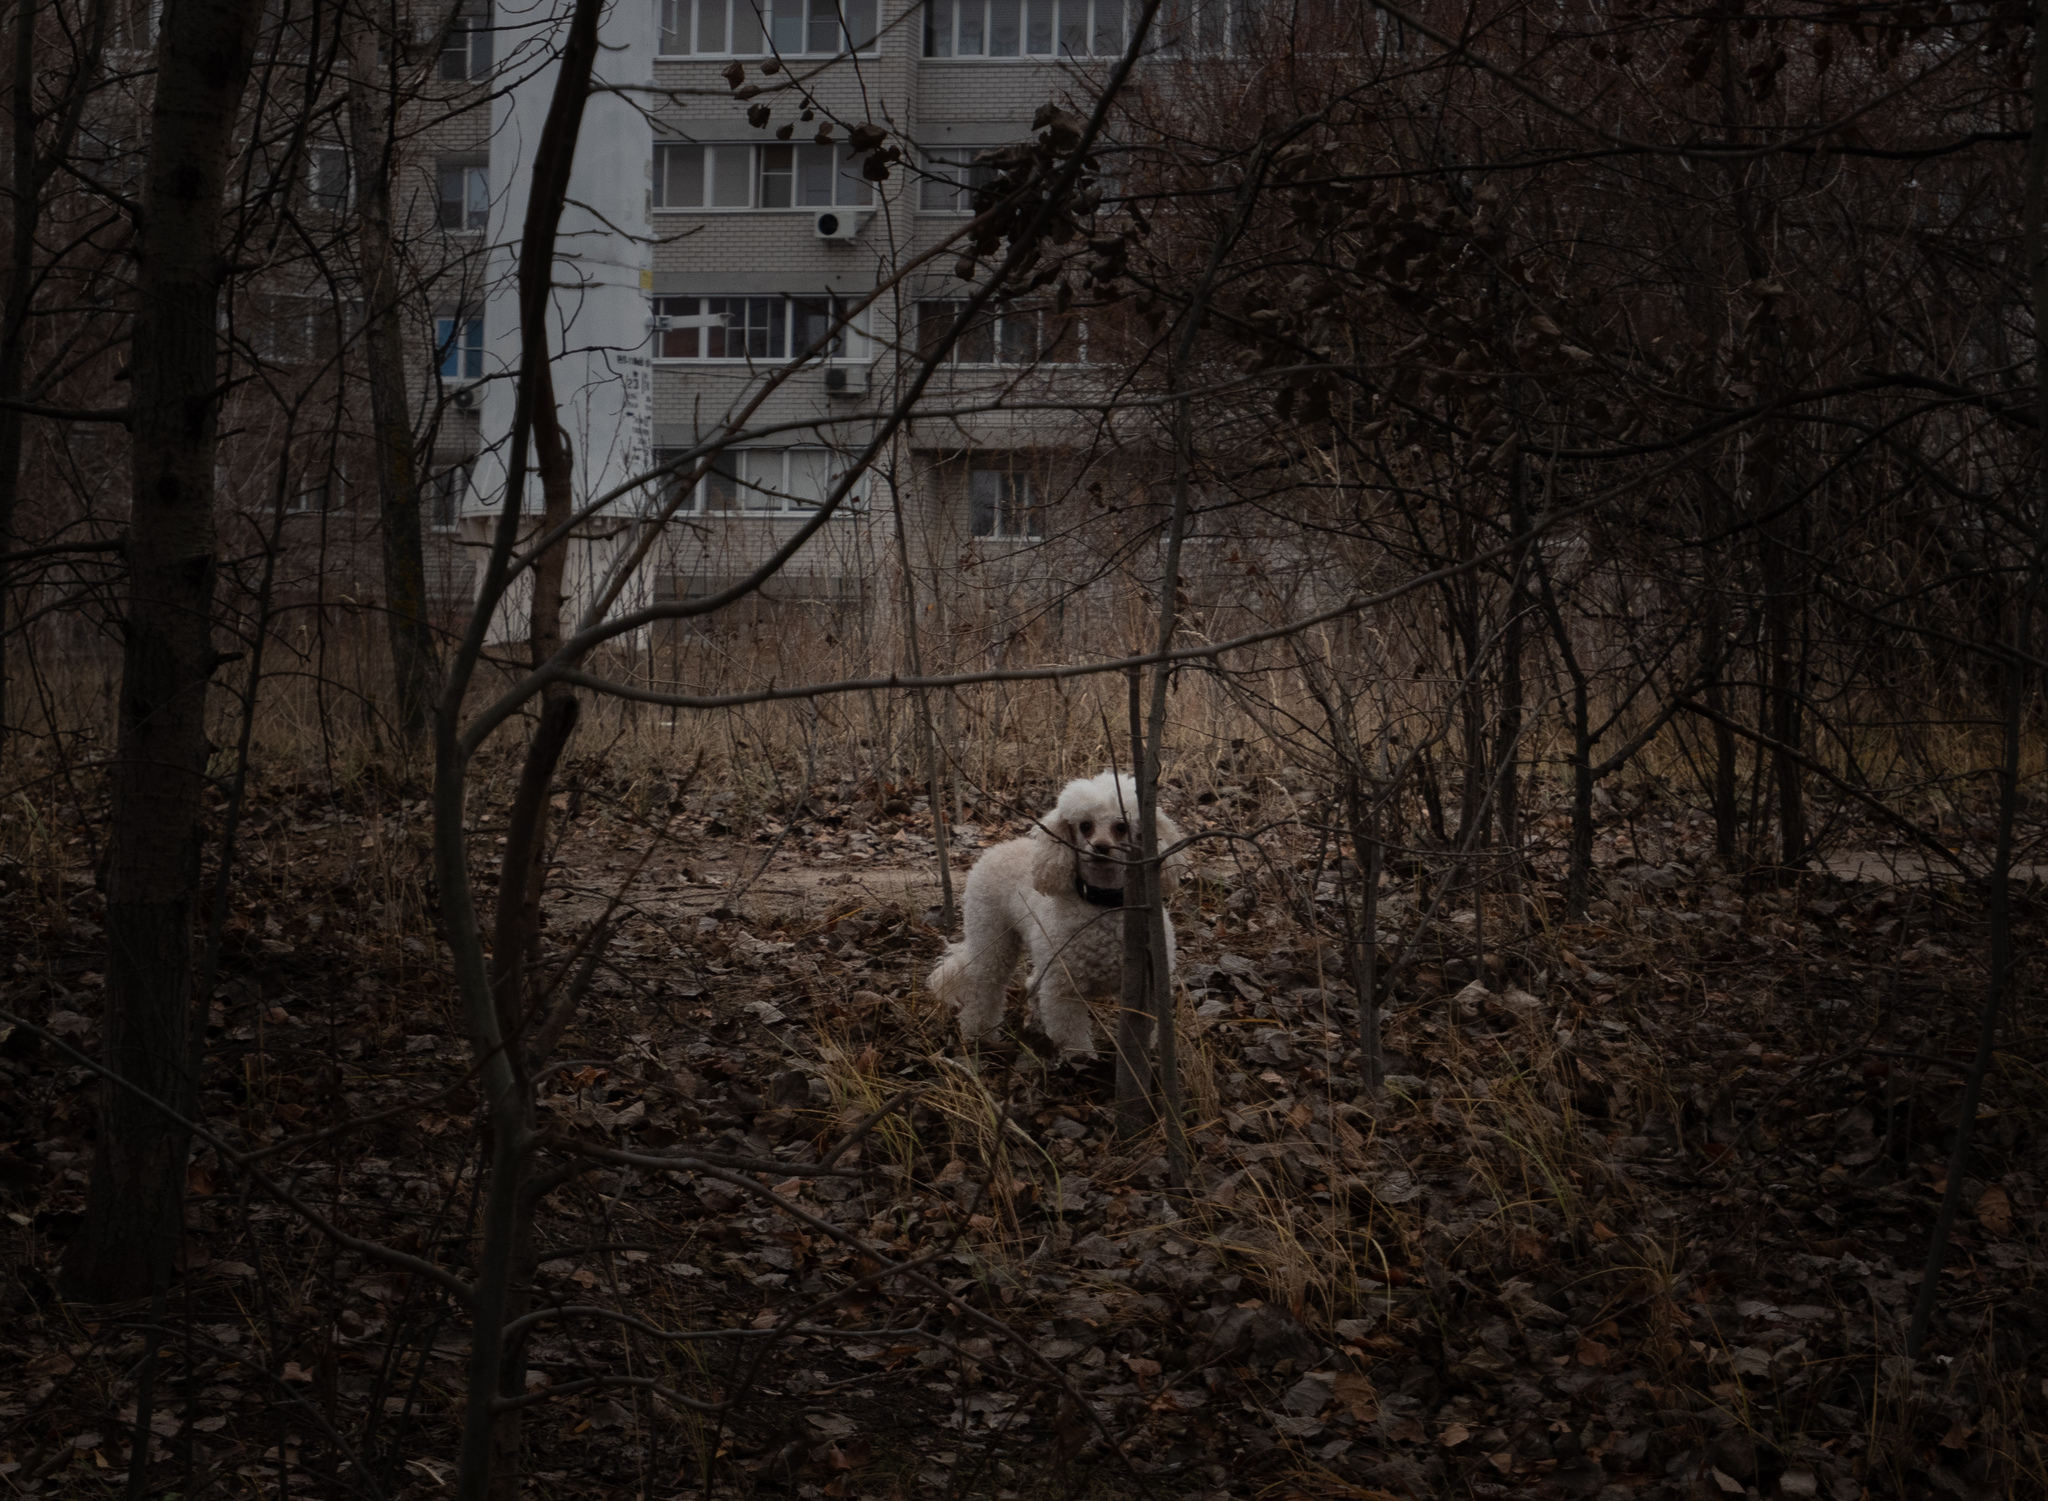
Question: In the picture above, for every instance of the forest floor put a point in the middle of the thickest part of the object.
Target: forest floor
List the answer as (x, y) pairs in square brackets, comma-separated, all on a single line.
[(1641, 1211)]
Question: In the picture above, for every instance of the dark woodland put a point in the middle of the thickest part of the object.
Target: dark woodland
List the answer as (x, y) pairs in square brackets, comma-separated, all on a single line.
[(1550, 500)]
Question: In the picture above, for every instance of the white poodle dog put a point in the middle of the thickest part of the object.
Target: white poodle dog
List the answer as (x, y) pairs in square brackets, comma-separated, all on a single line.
[(1055, 892)]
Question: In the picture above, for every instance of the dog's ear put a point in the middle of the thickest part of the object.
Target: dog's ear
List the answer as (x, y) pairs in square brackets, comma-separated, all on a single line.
[(1052, 857), (1174, 868)]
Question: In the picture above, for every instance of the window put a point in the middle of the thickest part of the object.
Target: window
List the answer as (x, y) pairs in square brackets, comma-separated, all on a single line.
[(459, 348), (750, 28), (721, 328), (950, 180), (821, 323), (322, 490), (286, 328), (762, 481), (287, 28), (666, 486), (466, 51), (1078, 28), (446, 490), (753, 328), (745, 176), (1204, 28), (114, 159), (1003, 503), (1011, 336), (327, 178), (135, 24), (465, 196)]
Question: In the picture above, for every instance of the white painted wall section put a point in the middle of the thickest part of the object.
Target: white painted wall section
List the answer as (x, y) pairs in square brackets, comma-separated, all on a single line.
[(603, 271)]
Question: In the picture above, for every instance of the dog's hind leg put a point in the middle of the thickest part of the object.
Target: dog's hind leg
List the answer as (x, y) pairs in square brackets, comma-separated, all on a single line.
[(974, 973)]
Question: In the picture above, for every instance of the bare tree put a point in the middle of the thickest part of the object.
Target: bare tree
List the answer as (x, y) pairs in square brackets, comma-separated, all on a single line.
[(133, 1218), (377, 93), (49, 92)]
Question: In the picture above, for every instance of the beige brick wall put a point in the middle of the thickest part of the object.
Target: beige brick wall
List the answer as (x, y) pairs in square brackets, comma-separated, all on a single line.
[(957, 89)]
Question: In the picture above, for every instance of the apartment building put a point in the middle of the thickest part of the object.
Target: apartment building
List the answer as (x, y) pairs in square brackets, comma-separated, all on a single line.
[(707, 256)]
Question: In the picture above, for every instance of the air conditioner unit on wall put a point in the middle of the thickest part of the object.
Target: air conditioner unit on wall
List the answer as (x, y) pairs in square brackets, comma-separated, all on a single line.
[(463, 398), (846, 380), (836, 224)]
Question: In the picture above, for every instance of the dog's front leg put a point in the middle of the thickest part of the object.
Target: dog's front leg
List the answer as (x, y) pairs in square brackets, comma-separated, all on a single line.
[(1063, 1016)]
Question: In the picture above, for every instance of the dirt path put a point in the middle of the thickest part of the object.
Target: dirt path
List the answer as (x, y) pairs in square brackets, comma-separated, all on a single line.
[(727, 876)]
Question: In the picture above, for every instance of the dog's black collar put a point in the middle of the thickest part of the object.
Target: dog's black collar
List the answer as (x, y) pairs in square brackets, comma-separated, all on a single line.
[(1098, 896)]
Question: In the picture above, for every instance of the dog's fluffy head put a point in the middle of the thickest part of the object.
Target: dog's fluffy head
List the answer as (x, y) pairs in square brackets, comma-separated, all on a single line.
[(1092, 829)]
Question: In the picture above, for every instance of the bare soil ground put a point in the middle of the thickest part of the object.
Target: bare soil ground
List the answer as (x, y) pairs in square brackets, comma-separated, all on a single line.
[(1641, 1212)]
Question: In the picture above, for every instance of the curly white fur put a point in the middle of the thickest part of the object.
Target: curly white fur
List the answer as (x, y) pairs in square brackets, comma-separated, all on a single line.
[(1023, 896)]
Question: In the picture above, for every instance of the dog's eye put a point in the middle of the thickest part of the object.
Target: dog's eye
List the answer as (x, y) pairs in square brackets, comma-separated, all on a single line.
[(1087, 826), (1121, 829)]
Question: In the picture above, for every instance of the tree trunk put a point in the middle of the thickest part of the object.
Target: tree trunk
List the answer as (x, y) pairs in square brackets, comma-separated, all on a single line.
[(1149, 748), (1365, 951), (521, 883), (2000, 957), (490, 1464), (1779, 716), (1467, 634), (1784, 717), (521, 877), (134, 1207), (25, 191), (934, 787), (30, 171), (1579, 872), (1578, 888), (1512, 694), (372, 98), (1727, 819), (553, 462), (1134, 1001)]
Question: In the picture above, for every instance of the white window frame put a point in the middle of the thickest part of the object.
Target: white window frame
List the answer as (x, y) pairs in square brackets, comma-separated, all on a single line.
[(668, 315), (467, 45), (1041, 30), (291, 328), (332, 495), (723, 481), (468, 353), (1003, 509), (330, 185), (446, 490), (474, 202), (136, 23), (777, 28), (951, 174), (1001, 334), (689, 175)]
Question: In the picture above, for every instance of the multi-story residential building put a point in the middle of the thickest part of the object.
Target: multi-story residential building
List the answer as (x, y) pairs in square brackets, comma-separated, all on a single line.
[(706, 254)]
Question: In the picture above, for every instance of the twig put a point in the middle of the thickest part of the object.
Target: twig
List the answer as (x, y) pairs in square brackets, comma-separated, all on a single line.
[(597, 1383), (866, 1127), (696, 1163)]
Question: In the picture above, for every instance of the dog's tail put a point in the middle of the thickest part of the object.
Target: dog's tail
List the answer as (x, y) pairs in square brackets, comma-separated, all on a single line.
[(949, 975)]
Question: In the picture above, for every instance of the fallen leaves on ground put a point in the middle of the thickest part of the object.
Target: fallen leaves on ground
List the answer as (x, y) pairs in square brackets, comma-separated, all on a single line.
[(1634, 1216)]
